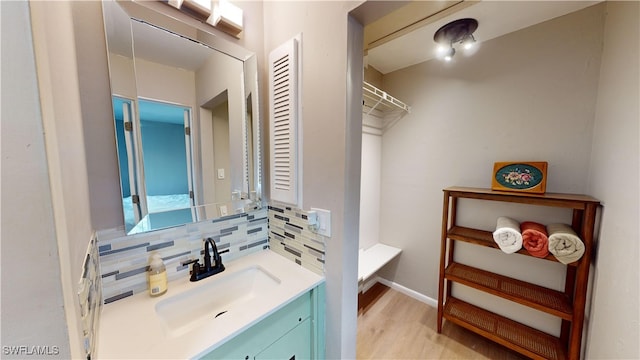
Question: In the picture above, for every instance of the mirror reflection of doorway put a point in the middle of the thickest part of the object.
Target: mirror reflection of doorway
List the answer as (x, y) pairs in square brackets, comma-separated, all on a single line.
[(215, 151), (163, 178), (166, 157), (134, 204)]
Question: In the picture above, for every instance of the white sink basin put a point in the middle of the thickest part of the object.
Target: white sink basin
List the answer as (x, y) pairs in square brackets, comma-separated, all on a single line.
[(217, 296)]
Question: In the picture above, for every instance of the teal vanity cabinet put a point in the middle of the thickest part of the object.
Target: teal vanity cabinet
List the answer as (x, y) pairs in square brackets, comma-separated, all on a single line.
[(296, 331)]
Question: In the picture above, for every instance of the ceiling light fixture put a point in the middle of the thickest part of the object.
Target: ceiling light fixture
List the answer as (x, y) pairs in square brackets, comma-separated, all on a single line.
[(458, 31)]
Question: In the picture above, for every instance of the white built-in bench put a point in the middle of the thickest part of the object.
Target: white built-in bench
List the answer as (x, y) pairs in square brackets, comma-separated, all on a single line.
[(373, 259)]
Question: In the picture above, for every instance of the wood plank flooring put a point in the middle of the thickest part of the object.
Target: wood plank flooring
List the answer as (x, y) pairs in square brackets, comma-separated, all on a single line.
[(392, 325)]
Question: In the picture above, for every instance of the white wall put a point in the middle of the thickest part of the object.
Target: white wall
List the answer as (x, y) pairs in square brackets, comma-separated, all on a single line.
[(370, 190), (44, 278), (222, 73), (528, 95), (221, 156), (331, 146), (32, 300), (121, 76), (165, 83), (613, 178), (47, 225)]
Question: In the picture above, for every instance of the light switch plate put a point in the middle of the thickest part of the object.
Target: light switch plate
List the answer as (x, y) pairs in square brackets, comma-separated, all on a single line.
[(324, 221), (221, 174)]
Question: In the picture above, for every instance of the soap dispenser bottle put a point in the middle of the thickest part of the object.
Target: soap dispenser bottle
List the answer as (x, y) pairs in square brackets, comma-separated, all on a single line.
[(157, 276)]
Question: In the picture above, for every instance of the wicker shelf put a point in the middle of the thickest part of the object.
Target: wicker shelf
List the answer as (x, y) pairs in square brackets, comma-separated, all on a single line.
[(538, 297), (568, 305), (485, 238), (523, 339)]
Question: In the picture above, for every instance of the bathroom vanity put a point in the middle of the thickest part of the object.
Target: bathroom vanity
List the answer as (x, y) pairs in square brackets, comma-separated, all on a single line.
[(290, 333), (261, 306)]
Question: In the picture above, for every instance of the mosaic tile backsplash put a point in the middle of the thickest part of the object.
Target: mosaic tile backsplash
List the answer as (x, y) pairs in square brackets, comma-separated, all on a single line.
[(289, 236), (124, 259)]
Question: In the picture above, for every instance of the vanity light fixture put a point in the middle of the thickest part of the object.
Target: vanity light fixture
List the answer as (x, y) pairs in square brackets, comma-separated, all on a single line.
[(226, 16), (456, 32), (221, 14), (200, 7)]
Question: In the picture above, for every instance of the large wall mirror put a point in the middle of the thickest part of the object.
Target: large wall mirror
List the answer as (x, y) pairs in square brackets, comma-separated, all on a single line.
[(185, 111)]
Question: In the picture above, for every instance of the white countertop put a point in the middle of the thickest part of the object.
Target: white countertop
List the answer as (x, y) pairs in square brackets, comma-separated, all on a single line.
[(131, 329)]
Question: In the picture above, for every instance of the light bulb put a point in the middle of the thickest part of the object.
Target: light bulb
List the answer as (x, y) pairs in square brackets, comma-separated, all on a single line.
[(468, 42), (448, 55)]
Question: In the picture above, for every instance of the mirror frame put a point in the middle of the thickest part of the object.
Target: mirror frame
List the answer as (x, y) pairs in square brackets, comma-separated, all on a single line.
[(159, 14)]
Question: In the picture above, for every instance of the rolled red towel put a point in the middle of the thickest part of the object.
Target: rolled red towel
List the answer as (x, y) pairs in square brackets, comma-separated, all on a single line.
[(535, 239)]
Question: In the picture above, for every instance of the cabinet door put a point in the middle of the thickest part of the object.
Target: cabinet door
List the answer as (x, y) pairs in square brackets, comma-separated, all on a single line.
[(295, 345), (266, 332)]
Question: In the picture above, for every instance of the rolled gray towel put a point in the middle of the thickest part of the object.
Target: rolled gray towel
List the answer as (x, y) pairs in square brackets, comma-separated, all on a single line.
[(564, 243), (507, 235)]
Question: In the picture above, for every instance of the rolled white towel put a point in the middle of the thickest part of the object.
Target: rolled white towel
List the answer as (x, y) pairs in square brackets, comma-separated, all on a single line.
[(564, 243), (507, 235)]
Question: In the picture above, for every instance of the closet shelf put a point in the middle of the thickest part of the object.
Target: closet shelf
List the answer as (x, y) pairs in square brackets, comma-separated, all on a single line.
[(375, 99)]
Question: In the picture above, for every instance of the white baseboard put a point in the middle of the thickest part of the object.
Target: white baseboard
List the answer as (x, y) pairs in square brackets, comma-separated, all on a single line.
[(411, 293)]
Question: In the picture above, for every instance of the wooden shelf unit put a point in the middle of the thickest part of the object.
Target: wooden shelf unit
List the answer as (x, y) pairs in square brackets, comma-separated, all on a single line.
[(568, 305)]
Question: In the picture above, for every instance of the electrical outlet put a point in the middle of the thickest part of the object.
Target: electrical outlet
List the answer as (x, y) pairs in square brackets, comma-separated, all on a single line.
[(324, 221), (312, 218)]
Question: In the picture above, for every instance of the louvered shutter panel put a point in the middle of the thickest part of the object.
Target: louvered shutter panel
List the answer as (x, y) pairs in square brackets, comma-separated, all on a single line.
[(283, 118)]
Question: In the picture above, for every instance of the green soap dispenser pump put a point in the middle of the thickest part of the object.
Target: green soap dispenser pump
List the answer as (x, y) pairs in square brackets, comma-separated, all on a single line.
[(157, 276)]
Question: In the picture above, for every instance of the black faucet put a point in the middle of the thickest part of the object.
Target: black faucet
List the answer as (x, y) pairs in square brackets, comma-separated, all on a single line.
[(199, 272)]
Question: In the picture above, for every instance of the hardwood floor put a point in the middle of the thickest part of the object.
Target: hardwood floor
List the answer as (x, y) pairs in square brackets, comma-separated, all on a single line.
[(392, 325)]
